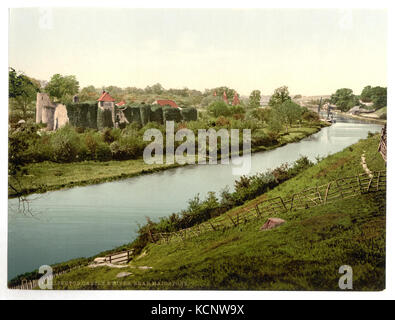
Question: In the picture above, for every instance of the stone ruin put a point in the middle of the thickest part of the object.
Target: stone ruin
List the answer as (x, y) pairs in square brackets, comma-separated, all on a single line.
[(51, 113)]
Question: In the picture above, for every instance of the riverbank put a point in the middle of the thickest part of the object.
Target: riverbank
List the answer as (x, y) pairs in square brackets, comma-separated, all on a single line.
[(303, 254), (48, 176), (370, 119)]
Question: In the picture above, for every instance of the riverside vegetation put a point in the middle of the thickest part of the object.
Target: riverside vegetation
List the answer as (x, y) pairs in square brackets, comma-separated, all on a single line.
[(303, 254), (41, 161)]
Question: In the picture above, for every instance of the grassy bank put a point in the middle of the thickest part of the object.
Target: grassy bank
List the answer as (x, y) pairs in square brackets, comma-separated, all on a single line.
[(46, 176), (303, 254)]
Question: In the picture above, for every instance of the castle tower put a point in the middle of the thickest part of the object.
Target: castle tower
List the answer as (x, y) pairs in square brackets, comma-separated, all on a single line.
[(106, 102)]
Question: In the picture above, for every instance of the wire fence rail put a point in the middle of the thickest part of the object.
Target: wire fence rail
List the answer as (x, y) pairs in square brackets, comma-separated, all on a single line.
[(344, 188)]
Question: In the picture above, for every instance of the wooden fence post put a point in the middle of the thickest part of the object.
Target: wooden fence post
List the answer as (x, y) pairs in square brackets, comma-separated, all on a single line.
[(231, 220), (257, 211), (327, 191), (282, 201), (212, 226)]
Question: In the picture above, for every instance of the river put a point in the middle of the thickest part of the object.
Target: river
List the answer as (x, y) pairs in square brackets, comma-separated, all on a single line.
[(83, 221)]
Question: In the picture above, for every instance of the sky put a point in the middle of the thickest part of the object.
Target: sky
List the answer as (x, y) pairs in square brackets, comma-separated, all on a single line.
[(312, 51)]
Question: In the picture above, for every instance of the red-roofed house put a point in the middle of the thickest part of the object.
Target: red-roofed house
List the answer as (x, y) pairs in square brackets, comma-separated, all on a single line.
[(121, 103), (163, 103), (106, 102), (105, 97)]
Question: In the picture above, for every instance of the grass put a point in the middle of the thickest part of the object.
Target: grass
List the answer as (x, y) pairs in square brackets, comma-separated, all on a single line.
[(46, 176), (305, 253)]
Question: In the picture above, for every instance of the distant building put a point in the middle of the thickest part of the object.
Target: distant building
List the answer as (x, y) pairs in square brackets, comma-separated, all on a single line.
[(236, 100), (225, 98), (121, 103), (106, 101), (163, 103)]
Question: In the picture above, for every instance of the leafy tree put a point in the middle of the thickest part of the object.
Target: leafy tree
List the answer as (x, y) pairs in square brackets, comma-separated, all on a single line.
[(62, 88), (287, 112), (89, 93), (344, 99), (279, 96), (255, 99), (366, 94), (377, 95), (220, 91), (22, 91), (219, 108)]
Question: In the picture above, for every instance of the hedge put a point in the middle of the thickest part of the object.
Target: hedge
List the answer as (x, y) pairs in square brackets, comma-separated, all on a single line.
[(189, 114), (135, 114), (145, 111), (156, 114), (83, 115), (104, 118), (171, 114)]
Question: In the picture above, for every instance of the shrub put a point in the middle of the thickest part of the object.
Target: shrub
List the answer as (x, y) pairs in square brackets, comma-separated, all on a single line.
[(108, 135), (66, 145), (219, 108), (236, 110), (222, 122)]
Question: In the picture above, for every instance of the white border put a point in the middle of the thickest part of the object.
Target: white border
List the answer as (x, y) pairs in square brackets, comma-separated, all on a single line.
[(189, 295)]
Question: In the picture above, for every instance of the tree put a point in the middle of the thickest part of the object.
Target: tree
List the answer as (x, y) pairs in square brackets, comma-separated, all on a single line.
[(279, 96), (22, 91), (255, 99), (377, 95), (287, 112), (62, 88), (89, 93), (220, 91), (219, 108), (344, 99)]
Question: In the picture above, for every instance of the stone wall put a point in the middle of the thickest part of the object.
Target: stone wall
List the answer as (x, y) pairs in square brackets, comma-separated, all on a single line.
[(60, 118), (53, 114)]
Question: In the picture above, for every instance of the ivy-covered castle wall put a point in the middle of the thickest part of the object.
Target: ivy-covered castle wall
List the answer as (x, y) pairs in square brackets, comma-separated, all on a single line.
[(99, 116)]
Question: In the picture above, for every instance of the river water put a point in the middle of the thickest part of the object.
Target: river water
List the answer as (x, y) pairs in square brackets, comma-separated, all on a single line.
[(83, 221)]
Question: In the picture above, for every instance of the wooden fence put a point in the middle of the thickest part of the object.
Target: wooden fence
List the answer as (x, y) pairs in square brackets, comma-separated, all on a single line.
[(383, 143), (119, 257), (339, 189), (115, 258)]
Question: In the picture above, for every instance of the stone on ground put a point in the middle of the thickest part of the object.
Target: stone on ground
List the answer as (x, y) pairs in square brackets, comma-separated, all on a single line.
[(272, 223), (123, 274)]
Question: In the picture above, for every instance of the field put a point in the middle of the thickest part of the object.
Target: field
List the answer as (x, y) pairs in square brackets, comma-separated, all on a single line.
[(305, 253)]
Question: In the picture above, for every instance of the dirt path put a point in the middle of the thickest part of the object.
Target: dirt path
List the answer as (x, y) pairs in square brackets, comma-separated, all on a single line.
[(365, 166)]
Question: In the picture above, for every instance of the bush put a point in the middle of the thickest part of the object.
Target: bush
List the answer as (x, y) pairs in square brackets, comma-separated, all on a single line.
[(260, 138), (66, 145), (219, 108), (236, 110)]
